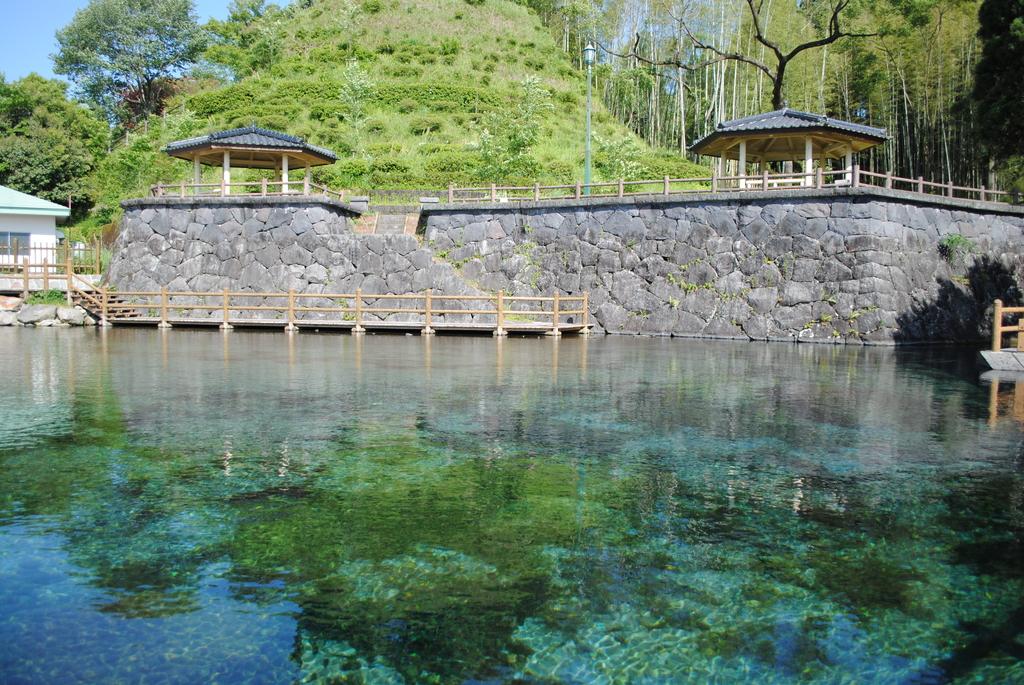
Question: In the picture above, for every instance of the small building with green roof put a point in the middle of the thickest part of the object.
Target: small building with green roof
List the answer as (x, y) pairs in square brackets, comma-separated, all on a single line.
[(27, 222)]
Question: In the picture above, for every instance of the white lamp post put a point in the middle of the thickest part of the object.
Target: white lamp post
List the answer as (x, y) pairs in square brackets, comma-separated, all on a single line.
[(589, 54)]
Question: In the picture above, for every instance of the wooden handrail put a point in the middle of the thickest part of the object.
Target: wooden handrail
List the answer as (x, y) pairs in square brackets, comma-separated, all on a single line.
[(818, 178), (159, 307), (999, 329)]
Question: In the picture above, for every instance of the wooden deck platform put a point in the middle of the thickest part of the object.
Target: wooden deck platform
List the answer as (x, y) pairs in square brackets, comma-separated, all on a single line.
[(424, 312), (511, 328)]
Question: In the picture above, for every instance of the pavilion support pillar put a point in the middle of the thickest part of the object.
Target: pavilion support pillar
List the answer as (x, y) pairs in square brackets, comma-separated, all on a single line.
[(225, 184), (306, 180), (197, 171), (808, 180), (284, 173), (742, 171), (849, 165)]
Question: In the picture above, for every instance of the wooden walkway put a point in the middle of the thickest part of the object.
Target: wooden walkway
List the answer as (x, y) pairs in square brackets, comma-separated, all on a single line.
[(426, 313)]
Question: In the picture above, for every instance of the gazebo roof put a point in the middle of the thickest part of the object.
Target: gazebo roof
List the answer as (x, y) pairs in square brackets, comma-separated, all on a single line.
[(780, 135), (251, 146)]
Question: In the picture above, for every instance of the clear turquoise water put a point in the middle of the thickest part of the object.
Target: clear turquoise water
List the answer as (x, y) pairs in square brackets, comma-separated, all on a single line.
[(194, 507)]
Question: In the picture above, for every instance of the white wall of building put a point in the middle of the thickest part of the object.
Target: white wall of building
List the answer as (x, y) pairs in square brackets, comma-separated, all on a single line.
[(42, 232)]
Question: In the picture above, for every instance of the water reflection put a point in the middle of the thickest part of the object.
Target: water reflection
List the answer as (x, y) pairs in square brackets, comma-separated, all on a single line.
[(274, 507)]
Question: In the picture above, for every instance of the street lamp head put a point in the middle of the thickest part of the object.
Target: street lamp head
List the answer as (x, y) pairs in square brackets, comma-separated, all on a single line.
[(589, 53)]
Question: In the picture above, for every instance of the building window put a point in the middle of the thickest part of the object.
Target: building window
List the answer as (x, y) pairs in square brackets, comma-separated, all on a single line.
[(16, 244)]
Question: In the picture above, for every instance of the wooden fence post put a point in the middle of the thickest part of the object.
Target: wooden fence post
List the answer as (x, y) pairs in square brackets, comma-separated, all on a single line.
[(494, 193), (69, 273), (46, 274), (949, 187), (24, 277), (451, 193), (263, 187), (764, 180), (579, 190), (536, 192), (164, 323), (225, 324), (359, 312), (291, 312), (819, 178), (427, 306), (920, 184), (555, 316), (181, 190), (856, 175), (666, 189), (499, 328), (984, 196), (586, 312), (104, 301), (622, 187), (888, 180), (997, 327), (714, 180)]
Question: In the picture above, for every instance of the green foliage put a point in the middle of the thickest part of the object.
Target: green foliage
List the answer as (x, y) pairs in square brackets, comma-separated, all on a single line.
[(509, 134), (617, 157), (121, 53), (997, 84), (48, 145), (955, 248), (425, 124), (52, 297), (129, 170)]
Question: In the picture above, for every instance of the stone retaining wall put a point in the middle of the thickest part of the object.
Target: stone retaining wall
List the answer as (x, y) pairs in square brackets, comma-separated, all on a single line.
[(306, 247), (841, 265), (851, 265)]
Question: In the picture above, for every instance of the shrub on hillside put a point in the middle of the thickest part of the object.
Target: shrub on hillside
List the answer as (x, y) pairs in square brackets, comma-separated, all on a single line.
[(661, 165), (237, 97), (375, 127), (420, 126)]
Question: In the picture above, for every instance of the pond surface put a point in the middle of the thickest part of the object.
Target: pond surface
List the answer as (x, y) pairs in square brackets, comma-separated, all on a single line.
[(185, 507)]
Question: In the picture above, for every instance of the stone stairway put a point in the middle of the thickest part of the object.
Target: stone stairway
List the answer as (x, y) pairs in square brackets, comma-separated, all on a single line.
[(389, 220)]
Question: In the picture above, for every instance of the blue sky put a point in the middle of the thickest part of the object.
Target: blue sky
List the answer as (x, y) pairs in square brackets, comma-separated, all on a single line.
[(28, 28)]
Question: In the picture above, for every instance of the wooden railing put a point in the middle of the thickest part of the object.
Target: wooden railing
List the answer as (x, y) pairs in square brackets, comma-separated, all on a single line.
[(819, 178), (49, 257), (43, 276), (999, 328), (261, 188), (427, 312)]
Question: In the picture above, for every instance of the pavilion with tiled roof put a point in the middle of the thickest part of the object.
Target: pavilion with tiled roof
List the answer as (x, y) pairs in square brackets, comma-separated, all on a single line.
[(251, 147), (788, 135)]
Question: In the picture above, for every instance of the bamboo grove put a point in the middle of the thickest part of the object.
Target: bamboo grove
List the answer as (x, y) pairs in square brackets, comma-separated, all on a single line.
[(908, 67)]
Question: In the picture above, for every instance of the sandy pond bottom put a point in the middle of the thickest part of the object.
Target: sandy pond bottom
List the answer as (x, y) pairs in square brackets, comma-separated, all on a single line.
[(187, 507)]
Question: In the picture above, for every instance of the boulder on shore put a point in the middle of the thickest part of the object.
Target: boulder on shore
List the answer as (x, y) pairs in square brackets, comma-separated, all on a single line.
[(74, 316), (8, 318), (35, 313), (9, 303)]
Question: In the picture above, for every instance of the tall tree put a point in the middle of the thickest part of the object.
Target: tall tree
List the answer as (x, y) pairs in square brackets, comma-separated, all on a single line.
[(48, 144), (997, 87), (121, 54)]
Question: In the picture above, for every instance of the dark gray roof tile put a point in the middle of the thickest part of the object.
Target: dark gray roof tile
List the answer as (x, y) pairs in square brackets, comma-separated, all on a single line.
[(250, 136)]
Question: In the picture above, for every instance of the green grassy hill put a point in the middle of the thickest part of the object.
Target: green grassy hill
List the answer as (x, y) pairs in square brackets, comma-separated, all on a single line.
[(439, 72)]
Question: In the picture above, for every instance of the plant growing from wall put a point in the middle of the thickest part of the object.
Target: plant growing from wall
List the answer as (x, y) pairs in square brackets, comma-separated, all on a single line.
[(955, 248)]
